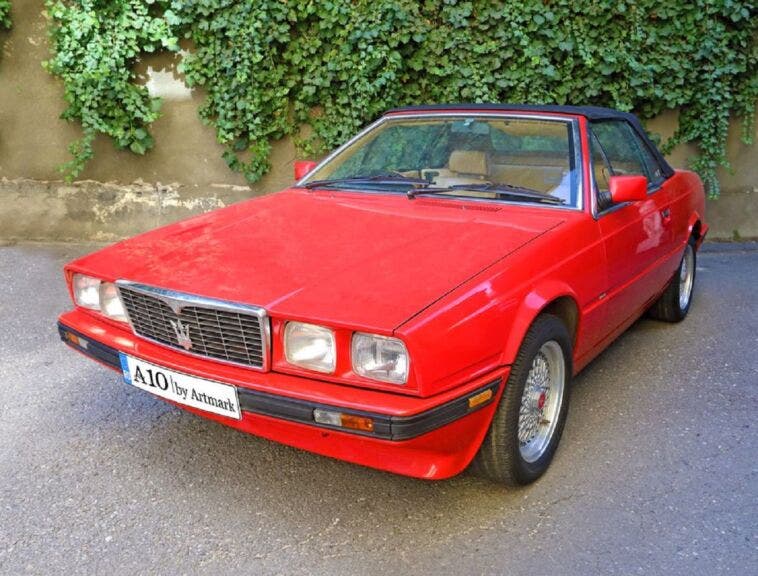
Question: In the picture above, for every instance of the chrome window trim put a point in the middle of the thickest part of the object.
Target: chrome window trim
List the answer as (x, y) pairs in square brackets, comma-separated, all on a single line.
[(441, 114), (593, 188), (612, 208), (179, 300)]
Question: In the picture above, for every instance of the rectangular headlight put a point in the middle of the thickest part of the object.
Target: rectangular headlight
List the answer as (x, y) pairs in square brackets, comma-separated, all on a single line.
[(380, 358), (110, 302), (93, 293), (310, 346), (86, 291)]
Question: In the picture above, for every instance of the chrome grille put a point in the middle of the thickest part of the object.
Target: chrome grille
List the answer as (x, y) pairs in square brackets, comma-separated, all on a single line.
[(217, 329)]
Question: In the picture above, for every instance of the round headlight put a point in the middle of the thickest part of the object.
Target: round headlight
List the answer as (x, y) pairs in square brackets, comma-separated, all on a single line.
[(380, 358), (310, 346)]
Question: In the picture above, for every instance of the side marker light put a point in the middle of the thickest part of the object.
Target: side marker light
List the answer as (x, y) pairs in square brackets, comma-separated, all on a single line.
[(481, 398)]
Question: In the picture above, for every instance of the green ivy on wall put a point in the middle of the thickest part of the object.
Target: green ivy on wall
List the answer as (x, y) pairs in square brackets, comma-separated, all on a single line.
[(269, 66), (96, 42), (5, 14)]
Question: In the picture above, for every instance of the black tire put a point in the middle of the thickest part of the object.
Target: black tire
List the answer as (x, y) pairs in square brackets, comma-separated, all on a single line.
[(500, 457), (670, 307)]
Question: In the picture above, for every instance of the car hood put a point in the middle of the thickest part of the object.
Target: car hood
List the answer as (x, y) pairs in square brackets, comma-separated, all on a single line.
[(360, 260)]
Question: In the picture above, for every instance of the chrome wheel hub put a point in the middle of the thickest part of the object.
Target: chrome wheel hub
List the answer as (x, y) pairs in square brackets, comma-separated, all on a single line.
[(686, 277), (541, 401)]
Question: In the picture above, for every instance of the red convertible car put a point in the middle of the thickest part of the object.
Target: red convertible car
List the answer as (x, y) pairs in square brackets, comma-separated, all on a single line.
[(419, 300)]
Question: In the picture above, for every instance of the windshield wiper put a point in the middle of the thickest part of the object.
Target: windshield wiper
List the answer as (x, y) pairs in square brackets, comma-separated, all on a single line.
[(372, 179), (422, 186), (499, 189)]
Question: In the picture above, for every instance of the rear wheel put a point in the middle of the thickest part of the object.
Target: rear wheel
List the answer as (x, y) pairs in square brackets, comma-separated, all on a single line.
[(527, 426), (674, 303)]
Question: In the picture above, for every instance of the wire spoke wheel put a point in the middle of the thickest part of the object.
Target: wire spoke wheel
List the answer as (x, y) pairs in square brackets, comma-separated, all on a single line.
[(541, 401), (527, 427)]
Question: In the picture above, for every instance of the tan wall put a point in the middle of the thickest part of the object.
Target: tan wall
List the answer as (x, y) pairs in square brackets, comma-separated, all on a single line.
[(33, 143), (34, 140), (743, 157)]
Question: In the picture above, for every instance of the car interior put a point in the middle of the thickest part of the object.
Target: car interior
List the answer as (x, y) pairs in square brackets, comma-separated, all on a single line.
[(531, 155)]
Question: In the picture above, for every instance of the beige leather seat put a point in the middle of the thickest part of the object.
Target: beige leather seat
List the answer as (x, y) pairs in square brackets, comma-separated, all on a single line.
[(472, 163), (602, 177), (542, 178), (463, 167)]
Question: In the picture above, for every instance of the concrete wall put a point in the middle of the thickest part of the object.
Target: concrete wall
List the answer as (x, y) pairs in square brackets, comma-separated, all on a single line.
[(734, 215), (121, 193), (34, 140)]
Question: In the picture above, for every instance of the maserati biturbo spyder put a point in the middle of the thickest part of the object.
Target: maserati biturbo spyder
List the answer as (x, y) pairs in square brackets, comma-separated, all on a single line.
[(418, 301)]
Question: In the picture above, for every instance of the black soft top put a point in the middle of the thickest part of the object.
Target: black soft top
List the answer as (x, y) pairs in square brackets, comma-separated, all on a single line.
[(594, 113)]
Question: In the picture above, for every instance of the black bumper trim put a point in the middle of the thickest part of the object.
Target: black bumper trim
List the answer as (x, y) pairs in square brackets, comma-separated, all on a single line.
[(301, 411), (94, 349)]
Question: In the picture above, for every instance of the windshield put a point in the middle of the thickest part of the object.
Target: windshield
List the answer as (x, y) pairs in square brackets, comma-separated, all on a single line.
[(476, 157)]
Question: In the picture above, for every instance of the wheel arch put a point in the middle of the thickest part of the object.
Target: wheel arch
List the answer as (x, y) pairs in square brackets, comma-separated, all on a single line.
[(554, 298), (696, 229)]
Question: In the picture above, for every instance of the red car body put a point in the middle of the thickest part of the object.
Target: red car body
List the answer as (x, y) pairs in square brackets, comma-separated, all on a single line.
[(458, 281)]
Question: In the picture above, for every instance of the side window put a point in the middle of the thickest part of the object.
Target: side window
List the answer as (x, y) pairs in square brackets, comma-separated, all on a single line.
[(625, 151), (601, 172), (654, 172), (600, 168)]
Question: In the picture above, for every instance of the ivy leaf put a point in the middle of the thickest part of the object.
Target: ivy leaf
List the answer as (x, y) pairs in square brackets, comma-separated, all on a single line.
[(172, 18), (269, 66), (137, 147)]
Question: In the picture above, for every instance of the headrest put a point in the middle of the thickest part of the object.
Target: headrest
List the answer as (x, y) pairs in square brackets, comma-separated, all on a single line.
[(468, 162)]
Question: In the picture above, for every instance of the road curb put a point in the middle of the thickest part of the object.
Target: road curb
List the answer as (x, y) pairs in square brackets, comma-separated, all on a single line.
[(730, 247)]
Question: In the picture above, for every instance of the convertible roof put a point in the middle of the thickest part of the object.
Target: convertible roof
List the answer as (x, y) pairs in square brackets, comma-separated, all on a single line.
[(591, 112), (596, 113)]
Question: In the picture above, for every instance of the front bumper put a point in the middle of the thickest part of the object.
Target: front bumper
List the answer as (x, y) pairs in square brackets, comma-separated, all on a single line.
[(423, 437)]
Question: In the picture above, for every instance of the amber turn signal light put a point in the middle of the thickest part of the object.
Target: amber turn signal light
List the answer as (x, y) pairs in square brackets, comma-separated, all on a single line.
[(76, 341), (480, 398), (357, 423)]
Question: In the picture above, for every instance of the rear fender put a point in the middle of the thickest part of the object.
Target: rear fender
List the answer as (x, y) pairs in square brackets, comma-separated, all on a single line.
[(695, 207), (697, 228)]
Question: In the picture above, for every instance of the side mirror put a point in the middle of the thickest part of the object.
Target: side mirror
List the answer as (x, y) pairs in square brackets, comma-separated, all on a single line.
[(628, 188), (302, 167)]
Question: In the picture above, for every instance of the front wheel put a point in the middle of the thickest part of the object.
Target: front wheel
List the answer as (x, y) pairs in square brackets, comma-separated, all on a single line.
[(674, 303), (527, 426)]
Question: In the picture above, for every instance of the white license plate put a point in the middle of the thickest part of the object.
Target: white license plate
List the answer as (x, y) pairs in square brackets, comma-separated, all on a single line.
[(184, 389)]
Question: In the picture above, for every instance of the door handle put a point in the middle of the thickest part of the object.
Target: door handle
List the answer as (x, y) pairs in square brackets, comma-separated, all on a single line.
[(666, 215)]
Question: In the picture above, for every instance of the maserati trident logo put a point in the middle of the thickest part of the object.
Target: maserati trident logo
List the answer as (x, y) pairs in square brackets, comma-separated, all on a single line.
[(182, 334)]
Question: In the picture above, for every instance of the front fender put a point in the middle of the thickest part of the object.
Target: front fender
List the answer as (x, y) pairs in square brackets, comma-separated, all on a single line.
[(536, 300)]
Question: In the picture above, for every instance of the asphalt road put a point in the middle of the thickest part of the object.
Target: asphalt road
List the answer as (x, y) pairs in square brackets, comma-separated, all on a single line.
[(656, 473)]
